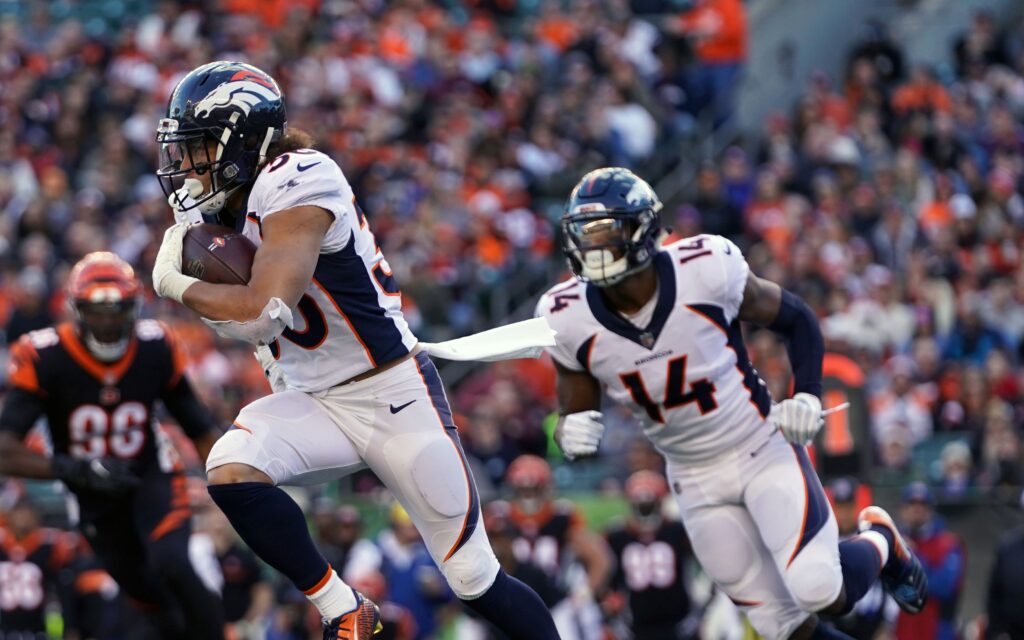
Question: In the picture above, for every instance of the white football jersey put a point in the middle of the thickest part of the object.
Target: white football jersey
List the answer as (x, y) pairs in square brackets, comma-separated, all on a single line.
[(686, 374), (349, 320)]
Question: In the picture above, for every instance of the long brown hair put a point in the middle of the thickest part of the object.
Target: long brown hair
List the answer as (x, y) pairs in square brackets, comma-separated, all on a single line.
[(292, 139)]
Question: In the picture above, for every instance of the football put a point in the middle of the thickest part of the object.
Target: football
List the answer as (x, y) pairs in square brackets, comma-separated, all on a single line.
[(217, 254)]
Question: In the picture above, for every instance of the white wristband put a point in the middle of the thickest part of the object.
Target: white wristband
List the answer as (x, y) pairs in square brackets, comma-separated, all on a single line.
[(174, 284)]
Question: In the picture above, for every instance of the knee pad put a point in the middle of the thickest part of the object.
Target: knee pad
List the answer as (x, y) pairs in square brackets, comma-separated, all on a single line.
[(733, 565), (471, 571), (230, 447), (441, 477), (815, 576), (814, 584)]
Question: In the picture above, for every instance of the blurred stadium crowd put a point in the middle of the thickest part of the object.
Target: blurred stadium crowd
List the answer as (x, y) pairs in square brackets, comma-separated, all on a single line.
[(889, 198)]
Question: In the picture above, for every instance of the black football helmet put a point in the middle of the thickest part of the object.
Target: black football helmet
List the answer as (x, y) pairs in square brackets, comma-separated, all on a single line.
[(610, 227), (234, 105), (105, 294)]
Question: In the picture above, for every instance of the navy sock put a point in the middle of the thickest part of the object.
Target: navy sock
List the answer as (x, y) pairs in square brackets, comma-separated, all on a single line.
[(827, 632), (514, 608), (273, 526), (861, 565)]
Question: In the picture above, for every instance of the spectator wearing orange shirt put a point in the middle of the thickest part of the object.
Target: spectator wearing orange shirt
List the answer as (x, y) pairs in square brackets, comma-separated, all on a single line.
[(767, 216), (718, 30), (937, 214), (272, 13), (923, 93)]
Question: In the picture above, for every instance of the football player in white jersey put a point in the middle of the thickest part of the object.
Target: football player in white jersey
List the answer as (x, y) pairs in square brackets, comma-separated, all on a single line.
[(658, 328), (352, 388)]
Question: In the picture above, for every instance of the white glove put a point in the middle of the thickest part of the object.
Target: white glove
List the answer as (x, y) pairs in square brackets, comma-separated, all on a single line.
[(579, 434), (183, 199), (168, 280), (264, 329), (799, 418), (270, 369)]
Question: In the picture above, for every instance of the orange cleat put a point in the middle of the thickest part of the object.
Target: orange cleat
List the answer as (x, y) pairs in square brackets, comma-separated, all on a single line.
[(362, 623)]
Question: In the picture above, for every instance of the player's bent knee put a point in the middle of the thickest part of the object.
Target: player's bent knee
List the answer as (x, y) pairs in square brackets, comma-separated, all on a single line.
[(230, 458), (471, 571), (815, 586)]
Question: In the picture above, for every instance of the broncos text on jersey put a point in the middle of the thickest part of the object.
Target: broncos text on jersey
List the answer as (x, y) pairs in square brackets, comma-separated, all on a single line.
[(686, 373), (349, 320)]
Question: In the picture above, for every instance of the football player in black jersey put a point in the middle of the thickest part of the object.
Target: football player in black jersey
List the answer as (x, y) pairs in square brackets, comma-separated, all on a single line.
[(96, 381), (552, 534), (652, 554), (32, 560)]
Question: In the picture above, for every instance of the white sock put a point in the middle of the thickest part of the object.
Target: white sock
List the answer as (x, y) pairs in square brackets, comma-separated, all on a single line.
[(333, 598), (880, 543)]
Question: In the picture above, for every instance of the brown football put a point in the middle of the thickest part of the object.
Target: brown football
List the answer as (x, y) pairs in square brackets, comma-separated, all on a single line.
[(217, 254)]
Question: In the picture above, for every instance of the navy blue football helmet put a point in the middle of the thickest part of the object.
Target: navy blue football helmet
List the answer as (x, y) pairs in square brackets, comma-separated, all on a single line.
[(234, 105), (610, 227)]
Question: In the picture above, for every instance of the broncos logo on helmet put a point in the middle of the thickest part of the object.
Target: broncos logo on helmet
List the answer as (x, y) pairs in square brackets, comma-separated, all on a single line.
[(244, 94)]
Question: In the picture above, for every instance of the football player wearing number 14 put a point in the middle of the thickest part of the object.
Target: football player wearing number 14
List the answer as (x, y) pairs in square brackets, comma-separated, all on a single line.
[(659, 328), (352, 388), (96, 381)]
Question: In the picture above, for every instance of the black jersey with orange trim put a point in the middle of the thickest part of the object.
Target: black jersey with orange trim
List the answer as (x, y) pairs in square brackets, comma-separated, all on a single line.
[(29, 570), (543, 537), (650, 568), (97, 409)]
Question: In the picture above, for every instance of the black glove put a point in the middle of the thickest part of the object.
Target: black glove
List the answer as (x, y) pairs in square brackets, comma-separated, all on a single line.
[(107, 475)]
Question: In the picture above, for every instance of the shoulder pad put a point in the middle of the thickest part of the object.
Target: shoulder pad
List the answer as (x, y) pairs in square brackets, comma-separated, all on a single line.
[(713, 271), (290, 170), (560, 297), (564, 306), (22, 370)]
